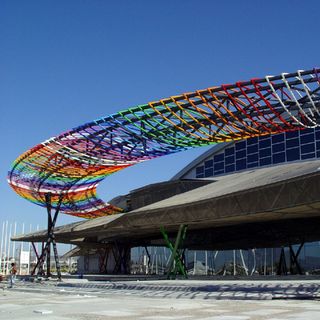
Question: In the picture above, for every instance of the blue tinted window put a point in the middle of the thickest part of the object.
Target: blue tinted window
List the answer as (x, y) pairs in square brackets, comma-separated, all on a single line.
[(265, 161), (292, 143), (279, 157), (307, 138), (229, 160), (241, 164), (208, 163), (278, 147), (252, 149), (253, 165), (264, 144), (278, 138), (292, 134), (241, 154), (208, 172), (308, 156), (253, 158), (265, 153), (254, 152), (307, 148), (293, 154), (264, 137), (252, 141), (199, 170), (241, 145), (219, 157), (219, 166), (306, 131), (230, 168), (229, 151)]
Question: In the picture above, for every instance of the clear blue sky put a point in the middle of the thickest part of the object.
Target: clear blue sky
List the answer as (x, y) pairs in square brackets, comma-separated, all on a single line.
[(64, 63)]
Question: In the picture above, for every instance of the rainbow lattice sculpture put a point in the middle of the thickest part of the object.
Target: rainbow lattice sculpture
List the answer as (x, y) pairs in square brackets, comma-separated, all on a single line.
[(73, 163)]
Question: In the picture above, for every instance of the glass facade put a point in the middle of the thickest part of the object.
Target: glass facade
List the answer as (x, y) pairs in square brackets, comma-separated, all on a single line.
[(263, 151), (262, 261)]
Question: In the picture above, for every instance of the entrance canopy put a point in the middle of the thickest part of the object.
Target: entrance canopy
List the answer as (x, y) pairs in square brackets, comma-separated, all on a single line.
[(269, 206)]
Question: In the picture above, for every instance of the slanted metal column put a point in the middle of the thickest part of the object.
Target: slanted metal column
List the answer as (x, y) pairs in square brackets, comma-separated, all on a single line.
[(121, 255), (282, 267), (294, 263), (176, 263), (48, 205), (45, 254), (149, 257), (103, 259), (35, 250), (294, 267)]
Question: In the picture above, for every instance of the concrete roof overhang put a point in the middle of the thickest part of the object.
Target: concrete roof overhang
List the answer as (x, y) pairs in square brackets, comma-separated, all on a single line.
[(261, 207)]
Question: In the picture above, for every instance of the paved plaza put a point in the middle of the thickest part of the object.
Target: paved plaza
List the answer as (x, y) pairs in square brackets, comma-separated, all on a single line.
[(146, 300)]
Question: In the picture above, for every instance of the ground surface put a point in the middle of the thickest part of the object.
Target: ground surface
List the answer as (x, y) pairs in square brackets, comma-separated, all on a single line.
[(146, 300)]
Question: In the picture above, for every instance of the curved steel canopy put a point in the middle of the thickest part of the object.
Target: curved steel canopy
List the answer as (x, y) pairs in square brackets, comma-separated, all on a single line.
[(73, 163)]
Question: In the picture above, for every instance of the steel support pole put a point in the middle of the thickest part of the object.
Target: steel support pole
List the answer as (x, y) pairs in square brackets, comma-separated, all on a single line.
[(40, 261), (35, 250), (121, 254), (149, 258), (53, 238), (103, 259), (282, 268), (45, 254), (294, 259), (48, 205), (176, 256)]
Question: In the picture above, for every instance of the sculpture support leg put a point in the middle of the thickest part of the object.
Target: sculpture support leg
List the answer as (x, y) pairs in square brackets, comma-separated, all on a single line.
[(45, 254)]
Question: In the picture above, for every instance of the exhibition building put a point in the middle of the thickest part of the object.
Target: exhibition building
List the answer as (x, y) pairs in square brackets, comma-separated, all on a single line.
[(249, 205)]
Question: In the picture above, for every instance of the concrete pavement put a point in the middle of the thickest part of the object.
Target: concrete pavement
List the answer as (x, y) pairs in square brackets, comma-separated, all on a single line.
[(146, 300)]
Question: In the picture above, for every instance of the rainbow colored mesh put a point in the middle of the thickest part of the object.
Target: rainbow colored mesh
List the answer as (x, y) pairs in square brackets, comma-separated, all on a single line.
[(73, 163)]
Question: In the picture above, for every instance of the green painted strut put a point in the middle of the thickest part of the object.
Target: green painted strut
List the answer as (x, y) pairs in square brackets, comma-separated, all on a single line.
[(176, 252)]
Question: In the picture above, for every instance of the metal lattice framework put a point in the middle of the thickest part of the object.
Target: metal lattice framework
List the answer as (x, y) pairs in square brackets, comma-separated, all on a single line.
[(73, 163)]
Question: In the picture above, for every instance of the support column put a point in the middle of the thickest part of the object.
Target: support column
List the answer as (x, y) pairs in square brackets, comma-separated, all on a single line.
[(45, 254), (48, 205), (149, 259), (294, 267), (294, 264), (176, 262), (282, 268), (121, 254), (103, 259)]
